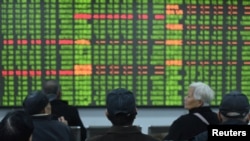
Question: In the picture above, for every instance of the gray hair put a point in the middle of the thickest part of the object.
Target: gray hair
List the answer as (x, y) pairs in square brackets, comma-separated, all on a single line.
[(202, 92)]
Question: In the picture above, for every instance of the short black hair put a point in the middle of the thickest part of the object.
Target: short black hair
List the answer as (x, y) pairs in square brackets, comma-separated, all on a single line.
[(35, 102), (17, 125)]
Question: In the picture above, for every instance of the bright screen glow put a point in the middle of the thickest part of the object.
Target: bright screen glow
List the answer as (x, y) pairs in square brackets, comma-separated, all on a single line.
[(154, 48)]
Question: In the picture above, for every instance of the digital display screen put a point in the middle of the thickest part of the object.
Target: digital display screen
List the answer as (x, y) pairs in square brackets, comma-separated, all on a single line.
[(155, 48)]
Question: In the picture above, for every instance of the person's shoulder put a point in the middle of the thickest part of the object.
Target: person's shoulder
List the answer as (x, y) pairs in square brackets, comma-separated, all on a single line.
[(149, 138), (68, 105), (59, 124), (63, 104), (182, 120), (72, 109), (59, 102), (184, 117), (94, 138), (52, 124), (203, 136)]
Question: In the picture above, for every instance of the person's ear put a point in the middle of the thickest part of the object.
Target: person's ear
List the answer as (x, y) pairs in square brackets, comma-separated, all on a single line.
[(106, 113), (248, 118), (59, 94), (30, 138), (47, 109), (200, 103), (219, 116)]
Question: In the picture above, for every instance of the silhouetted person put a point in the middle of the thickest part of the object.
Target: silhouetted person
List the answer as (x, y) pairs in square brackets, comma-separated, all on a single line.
[(234, 110), (61, 108), (121, 111), (16, 126), (37, 104)]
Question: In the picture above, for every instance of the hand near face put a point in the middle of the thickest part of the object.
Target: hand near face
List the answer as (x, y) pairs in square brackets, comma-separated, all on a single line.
[(63, 120)]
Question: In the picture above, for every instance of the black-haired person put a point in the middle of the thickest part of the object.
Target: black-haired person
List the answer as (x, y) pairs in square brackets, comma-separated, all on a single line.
[(61, 108), (16, 125), (121, 111), (45, 129), (199, 115), (234, 110)]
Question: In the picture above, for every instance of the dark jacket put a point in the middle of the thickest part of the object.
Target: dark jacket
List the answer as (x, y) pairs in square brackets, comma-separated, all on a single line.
[(46, 129), (204, 135), (70, 113), (189, 125), (120, 133)]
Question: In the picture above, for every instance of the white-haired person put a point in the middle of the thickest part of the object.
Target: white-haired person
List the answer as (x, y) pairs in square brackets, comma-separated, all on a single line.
[(199, 115)]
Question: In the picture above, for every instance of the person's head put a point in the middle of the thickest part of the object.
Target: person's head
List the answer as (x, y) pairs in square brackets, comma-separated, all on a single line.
[(16, 126), (234, 105), (199, 95), (121, 107), (37, 103), (52, 89)]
